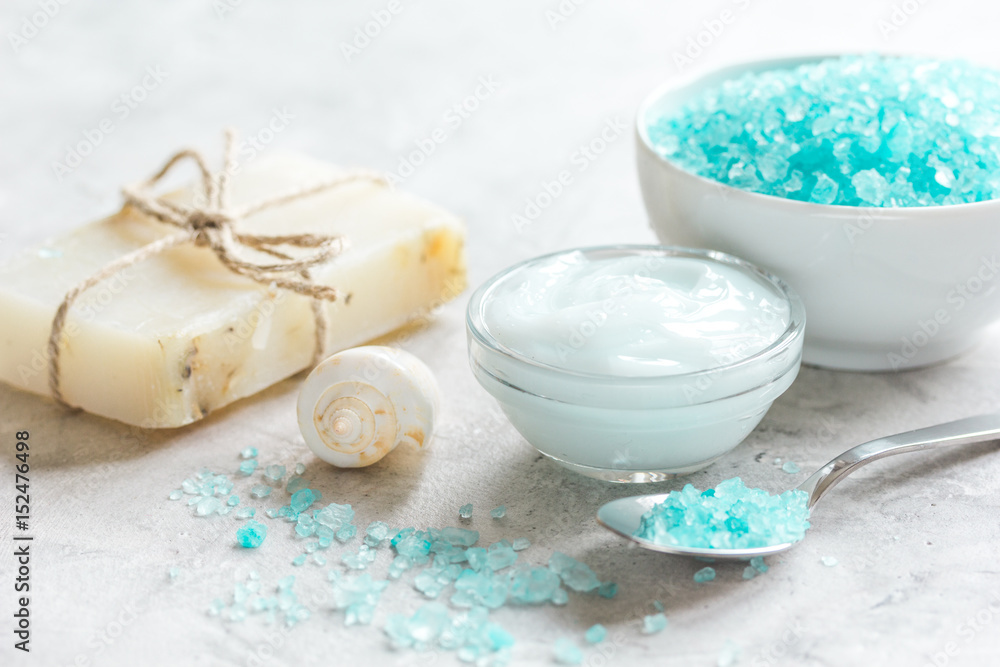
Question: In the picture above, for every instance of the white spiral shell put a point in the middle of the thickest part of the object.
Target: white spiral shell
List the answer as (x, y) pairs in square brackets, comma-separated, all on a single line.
[(358, 405)]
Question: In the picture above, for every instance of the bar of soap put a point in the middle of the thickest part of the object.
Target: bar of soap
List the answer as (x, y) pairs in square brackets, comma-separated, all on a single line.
[(168, 340)]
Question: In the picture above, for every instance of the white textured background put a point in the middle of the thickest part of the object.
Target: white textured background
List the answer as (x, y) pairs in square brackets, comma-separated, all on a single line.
[(917, 537)]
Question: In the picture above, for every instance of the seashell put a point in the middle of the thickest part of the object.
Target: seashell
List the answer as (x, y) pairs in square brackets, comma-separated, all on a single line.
[(358, 405)]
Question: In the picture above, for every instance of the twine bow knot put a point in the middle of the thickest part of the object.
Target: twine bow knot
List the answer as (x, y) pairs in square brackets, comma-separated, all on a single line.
[(211, 222)]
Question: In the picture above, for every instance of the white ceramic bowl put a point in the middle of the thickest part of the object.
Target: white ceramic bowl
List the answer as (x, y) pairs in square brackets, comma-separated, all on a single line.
[(885, 288)]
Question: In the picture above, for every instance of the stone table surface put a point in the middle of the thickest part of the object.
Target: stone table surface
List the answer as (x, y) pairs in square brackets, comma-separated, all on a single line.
[(916, 538)]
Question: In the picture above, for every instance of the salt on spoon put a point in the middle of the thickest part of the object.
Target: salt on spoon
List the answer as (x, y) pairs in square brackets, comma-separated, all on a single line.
[(625, 516)]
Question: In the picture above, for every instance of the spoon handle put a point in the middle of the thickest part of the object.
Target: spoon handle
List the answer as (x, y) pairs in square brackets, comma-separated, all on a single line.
[(962, 432)]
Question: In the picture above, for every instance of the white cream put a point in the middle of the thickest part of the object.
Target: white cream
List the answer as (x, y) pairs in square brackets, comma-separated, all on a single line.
[(634, 363), (635, 315)]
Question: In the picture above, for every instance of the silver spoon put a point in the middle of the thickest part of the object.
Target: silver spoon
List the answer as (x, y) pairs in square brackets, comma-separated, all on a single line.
[(622, 516)]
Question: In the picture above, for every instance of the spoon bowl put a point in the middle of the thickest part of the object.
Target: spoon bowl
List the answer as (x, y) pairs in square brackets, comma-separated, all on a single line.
[(623, 516)]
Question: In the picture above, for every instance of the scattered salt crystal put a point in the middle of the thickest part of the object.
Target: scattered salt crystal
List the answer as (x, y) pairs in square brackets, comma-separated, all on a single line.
[(704, 575), (574, 574), (233, 501), (465, 511), (757, 563), (251, 535), (248, 467), (176, 495), (209, 505), (376, 533), (300, 468), (299, 560), (173, 573), (749, 572), (608, 589), (791, 467), (654, 623), (275, 473), (566, 652), (249, 453), (829, 561), (521, 543), (260, 491), (596, 634), (498, 512)]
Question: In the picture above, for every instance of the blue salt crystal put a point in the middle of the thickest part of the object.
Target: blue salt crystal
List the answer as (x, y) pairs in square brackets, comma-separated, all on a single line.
[(233, 501), (574, 574), (359, 560), (476, 556), (757, 563), (704, 575), (302, 499), (560, 596), (533, 585), (501, 557), (312, 547), (459, 536), (658, 605), (791, 467), (480, 588), (654, 623), (399, 565), (376, 533), (216, 607), (285, 583), (305, 526), (173, 573), (275, 473), (498, 512), (176, 495), (566, 652), (248, 467), (260, 491), (189, 486), (357, 596), (194, 500), (608, 589), (854, 131), (521, 543), (829, 561), (749, 572), (209, 505), (251, 535), (319, 559), (299, 560), (427, 582), (300, 468), (596, 634), (249, 453), (722, 519), (347, 533), (465, 511), (272, 513), (295, 483)]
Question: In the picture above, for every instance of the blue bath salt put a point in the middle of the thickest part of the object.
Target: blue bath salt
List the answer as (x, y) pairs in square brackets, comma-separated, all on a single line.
[(730, 516), (654, 623), (791, 467), (851, 131), (465, 511), (566, 652), (596, 634), (251, 535), (249, 453), (499, 512), (248, 467), (275, 473), (704, 575), (260, 491)]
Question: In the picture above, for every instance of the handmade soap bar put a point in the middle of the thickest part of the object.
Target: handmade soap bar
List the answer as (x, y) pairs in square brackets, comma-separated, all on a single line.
[(166, 341)]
